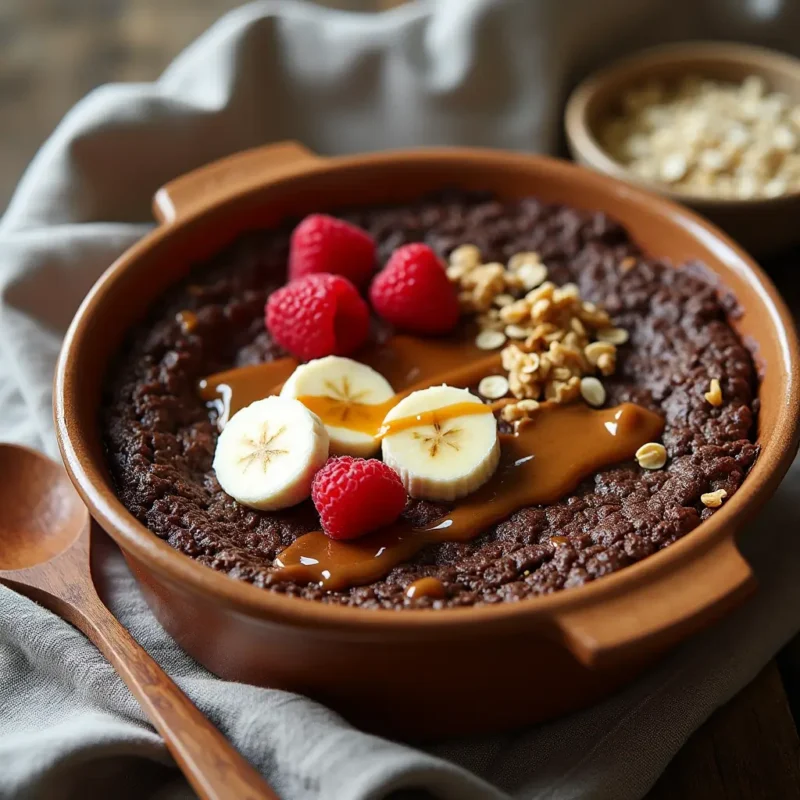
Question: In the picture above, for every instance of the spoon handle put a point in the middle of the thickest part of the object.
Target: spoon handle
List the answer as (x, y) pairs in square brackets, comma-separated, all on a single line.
[(210, 763)]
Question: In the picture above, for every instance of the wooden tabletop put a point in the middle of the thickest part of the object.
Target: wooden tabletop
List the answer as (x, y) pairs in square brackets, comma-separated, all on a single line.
[(54, 51)]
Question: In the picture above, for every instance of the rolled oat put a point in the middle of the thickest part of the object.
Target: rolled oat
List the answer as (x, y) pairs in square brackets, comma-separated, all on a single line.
[(493, 387), (709, 137), (490, 340)]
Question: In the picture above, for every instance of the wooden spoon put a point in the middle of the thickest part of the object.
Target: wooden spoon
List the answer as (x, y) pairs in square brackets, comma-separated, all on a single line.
[(44, 554)]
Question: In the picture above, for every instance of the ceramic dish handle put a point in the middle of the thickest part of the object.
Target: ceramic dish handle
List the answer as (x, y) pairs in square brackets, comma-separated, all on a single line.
[(208, 185), (658, 612)]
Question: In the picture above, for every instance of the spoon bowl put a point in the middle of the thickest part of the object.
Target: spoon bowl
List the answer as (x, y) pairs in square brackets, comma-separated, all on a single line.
[(41, 514)]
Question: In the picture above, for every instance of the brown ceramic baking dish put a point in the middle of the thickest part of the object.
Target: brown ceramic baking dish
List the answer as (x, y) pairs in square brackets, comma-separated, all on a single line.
[(422, 673)]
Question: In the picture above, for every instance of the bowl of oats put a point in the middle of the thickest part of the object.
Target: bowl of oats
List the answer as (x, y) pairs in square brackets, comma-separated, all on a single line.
[(715, 126)]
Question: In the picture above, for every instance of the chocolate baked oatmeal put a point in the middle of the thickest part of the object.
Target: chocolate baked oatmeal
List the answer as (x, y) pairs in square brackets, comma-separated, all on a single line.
[(675, 359)]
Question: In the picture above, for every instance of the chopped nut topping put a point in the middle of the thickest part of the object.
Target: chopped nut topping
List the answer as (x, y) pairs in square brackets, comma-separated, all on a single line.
[(521, 410), (563, 391), (515, 332), (592, 391), (540, 309), (709, 137), (528, 406), (490, 340), (515, 312), (455, 272), (484, 282), (615, 336), (591, 315), (532, 275), (651, 455), (596, 350), (547, 330), (493, 387), (467, 255), (713, 499), (577, 326), (519, 260), (543, 292), (607, 363), (714, 393), (480, 286), (627, 264)]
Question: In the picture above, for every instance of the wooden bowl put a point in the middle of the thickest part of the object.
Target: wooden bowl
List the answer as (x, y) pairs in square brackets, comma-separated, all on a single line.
[(416, 673), (761, 225)]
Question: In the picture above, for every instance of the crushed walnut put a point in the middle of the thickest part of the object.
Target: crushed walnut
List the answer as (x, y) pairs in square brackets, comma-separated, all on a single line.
[(520, 412), (552, 339), (486, 288), (709, 137)]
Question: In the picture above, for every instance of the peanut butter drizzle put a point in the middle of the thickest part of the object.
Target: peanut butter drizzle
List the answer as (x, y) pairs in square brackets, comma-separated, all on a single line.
[(544, 461), (366, 418), (362, 417), (434, 417), (234, 389), (425, 587), (406, 362)]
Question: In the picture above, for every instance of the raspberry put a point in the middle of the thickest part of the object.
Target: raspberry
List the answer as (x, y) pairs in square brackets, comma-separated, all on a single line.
[(325, 244), (316, 316), (356, 495), (413, 292)]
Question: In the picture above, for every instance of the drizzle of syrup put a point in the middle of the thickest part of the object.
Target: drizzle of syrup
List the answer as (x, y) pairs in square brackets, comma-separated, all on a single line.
[(406, 362), (425, 587), (369, 419), (434, 417), (228, 392), (365, 418), (540, 464)]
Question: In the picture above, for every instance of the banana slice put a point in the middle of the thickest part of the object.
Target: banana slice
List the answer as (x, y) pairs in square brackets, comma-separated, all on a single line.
[(440, 444), (268, 453), (350, 398)]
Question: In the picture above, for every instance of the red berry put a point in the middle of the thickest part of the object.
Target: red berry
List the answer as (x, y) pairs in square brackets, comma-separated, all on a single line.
[(325, 244), (413, 292), (356, 495), (319, 315)]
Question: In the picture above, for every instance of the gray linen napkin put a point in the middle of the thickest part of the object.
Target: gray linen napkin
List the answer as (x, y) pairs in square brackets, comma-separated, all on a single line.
[(483, 72)]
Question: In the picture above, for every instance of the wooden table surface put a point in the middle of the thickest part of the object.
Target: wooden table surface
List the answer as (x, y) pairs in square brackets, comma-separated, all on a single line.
[(54, 51)]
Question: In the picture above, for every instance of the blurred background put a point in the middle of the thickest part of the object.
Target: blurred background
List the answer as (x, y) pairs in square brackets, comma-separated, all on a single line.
[(52, 52)]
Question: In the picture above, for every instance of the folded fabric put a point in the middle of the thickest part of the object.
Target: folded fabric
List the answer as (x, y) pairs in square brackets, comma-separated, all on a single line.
[(476, 72)]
